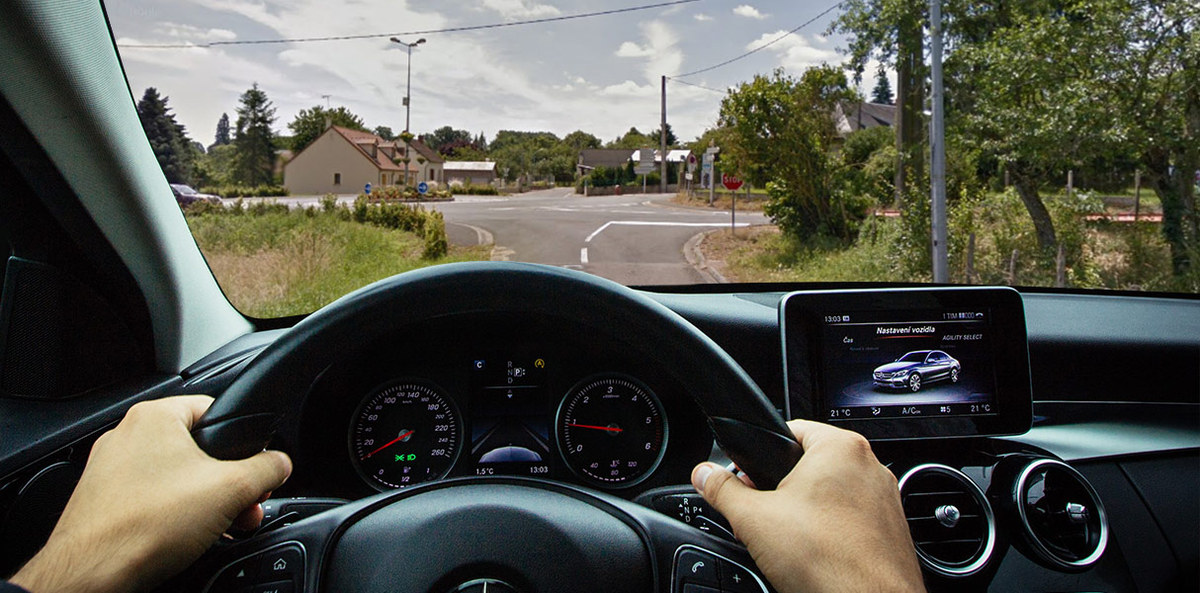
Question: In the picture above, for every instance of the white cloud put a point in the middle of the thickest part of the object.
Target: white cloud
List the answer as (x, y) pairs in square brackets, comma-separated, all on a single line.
[(700, 16), (749, 12), (795, 52), (179, 31), (521, 9), (660, 47)]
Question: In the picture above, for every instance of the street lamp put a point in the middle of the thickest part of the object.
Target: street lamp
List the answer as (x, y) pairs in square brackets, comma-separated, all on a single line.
[(408, 103)]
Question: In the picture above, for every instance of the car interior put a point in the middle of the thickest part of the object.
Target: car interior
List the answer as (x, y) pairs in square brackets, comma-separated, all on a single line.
[(531, 428)]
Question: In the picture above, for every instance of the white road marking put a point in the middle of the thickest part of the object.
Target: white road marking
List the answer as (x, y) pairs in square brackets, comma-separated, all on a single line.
[(656, 223), (583, 256)]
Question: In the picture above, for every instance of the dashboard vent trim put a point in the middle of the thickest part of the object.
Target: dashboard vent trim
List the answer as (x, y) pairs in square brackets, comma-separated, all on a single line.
[(1089, 515), (950, 519)]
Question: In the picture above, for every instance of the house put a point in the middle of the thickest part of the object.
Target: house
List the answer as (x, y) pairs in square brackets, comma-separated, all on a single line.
[(343, 161), (590, 158), (851, 117), (469, 172)]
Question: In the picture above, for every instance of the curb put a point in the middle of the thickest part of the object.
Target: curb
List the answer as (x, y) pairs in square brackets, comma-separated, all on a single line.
[(695, 257)]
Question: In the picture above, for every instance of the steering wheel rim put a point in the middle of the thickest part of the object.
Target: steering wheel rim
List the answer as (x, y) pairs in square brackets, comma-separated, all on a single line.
[(243, 420)]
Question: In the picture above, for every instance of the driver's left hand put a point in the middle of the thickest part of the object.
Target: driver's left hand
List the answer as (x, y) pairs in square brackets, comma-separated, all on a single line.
[(150, 502)]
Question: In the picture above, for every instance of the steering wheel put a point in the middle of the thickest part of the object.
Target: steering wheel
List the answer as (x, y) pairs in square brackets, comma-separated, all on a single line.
[(505, 534)]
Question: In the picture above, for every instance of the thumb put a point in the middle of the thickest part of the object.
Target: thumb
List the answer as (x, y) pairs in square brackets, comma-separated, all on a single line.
[(262, 473), (724, 491)]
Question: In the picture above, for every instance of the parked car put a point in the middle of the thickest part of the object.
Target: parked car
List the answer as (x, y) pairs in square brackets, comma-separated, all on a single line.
[(917, 368), (185, 194)]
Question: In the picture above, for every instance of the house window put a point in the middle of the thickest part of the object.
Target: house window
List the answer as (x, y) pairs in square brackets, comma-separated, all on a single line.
[(337, 178)]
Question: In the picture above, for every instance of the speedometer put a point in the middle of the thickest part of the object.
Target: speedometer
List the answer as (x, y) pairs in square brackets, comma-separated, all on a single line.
[(611, 430), (404, 433)]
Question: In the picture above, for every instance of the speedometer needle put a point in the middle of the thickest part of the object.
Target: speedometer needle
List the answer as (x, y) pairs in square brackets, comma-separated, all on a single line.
[(607, 428), (389, 444)]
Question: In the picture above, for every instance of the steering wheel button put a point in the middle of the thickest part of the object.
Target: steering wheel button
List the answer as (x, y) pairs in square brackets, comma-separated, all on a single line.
[(238, 575), (735, 578), (692, 566), (281, 563), (278, 587)]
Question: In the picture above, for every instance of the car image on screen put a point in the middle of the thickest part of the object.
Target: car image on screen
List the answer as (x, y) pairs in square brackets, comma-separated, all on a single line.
[(917, 368)]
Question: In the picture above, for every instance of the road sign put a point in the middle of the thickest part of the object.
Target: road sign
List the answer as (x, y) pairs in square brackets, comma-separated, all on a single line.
[(367, 189), (730, 182), (691, 163), (422, 188), (645, 161), (688, 176)]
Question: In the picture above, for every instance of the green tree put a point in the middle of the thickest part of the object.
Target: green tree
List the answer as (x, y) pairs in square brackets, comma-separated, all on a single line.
[(448, 137), (167, 138), (255, 140), (891, 31), (311, 123), (633, 139), (579, 140), (780, 135), (882, 93), (223, 136), (384, 132), (672, 141)]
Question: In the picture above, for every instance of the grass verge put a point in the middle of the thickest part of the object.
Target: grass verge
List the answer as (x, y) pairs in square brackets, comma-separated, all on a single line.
[(277, 263)]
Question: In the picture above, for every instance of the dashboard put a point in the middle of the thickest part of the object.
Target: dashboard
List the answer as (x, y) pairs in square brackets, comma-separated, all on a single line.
[(532, 396)]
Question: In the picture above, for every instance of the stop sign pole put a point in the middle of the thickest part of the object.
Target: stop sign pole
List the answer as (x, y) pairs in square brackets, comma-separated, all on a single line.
[(732, 184)]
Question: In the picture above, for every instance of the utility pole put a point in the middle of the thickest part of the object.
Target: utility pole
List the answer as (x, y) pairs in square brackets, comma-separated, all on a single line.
[(662, 132), (408, 106), (937, 145)]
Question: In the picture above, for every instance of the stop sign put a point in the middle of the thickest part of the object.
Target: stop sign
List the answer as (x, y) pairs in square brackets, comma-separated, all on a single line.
[(730, 182)]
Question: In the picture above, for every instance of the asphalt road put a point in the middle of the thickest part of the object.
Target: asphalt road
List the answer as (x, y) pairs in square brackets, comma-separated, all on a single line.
[(635, 239), (632, 239)]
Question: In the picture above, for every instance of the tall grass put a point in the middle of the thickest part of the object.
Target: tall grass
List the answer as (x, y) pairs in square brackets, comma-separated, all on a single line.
[(279, 262)]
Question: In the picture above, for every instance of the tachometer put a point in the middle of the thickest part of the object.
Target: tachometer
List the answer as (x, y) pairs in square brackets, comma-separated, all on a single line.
[(611, 430), (404, 433)]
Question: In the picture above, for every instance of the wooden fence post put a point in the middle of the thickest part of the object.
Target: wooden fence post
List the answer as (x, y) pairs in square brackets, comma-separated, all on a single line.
[(1060, 266), (1137, 193), (1012, 269)]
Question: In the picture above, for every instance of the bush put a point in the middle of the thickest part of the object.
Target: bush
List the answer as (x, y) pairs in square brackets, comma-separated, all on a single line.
[(242, 191), (474, 190), (435, 236)]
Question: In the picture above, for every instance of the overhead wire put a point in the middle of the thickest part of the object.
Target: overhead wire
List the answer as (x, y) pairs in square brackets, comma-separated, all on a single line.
[(761, 47), (404, 33)]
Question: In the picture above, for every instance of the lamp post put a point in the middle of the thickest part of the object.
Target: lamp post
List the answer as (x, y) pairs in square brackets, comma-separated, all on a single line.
[(408, 104)]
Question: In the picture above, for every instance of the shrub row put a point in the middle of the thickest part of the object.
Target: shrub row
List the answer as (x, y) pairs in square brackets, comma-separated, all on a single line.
[(243, 191), (475, 190)]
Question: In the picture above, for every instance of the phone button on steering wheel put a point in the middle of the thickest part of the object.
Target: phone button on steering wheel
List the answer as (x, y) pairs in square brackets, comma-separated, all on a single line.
[(694, 566)]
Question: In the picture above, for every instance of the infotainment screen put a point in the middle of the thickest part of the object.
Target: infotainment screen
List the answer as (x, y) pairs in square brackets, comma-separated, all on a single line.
[(909, 363)]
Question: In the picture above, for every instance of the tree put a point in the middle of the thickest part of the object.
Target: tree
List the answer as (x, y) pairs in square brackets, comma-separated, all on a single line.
[(882, 93), (579, 140), (672, 141), (891, 32), (780, 134), (312, 122), (167, 138), (633, 139), (384, 132), (254, 140), (223, 136), (449, 137)]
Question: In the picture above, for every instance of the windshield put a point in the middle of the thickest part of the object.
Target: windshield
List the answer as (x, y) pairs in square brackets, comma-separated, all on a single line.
[(677, 142), (918, 356)]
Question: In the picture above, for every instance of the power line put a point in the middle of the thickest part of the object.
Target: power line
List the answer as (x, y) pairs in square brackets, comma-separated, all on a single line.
[(405, 33), (699, 86), (761, 47)]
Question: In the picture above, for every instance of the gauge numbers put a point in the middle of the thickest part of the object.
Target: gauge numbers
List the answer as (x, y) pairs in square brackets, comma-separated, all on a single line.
[(404, 433), (611, 430)]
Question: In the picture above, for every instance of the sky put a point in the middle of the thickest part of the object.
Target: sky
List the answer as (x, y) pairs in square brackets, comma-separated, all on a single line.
[(599, 74)]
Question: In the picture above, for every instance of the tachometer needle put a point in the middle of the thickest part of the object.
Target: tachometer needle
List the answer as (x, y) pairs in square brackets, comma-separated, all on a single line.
[(389, 444), (607, 428)]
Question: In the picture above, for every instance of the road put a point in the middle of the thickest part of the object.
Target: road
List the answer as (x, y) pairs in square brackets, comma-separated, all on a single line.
[(635, 239), (632, 239)]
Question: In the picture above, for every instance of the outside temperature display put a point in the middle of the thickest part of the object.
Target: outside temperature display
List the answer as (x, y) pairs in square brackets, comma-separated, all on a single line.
[(611, 430)]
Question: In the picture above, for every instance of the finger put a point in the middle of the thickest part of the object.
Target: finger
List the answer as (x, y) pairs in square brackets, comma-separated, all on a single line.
[(249, 519), (261, 473), (727, 494), (815, 434)]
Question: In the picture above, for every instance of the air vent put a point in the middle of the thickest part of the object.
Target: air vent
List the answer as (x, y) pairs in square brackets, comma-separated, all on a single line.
[(1061, 514), (950, 520)]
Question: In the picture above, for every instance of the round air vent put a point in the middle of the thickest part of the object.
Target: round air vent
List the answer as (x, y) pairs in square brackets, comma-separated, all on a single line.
[(950, 520), (1061, 514)]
